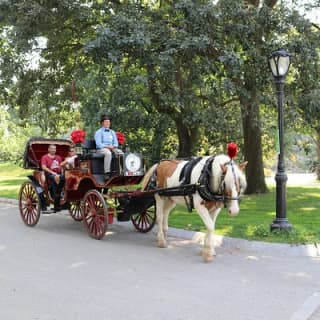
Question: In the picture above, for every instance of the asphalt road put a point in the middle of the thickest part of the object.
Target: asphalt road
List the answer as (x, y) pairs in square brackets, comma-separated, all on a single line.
[(55, 271)]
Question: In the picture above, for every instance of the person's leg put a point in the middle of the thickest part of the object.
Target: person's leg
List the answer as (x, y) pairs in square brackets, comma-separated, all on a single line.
[(53, 184), (117, 151), (107, 159)]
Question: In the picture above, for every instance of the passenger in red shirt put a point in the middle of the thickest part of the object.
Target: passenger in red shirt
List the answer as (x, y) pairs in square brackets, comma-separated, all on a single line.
[(51, 165)]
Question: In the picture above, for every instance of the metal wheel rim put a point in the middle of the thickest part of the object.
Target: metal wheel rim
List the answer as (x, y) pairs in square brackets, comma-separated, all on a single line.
[(144, 221), (29, 204), (95, 214), (76, 210)]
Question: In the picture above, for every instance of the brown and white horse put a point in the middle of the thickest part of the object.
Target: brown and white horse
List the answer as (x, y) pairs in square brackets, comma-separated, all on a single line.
[(216, 181)]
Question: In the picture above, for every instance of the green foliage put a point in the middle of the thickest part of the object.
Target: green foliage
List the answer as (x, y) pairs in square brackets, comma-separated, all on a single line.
[(178, 77)]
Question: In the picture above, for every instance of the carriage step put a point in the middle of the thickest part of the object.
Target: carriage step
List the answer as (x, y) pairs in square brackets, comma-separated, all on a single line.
[(47, 211)]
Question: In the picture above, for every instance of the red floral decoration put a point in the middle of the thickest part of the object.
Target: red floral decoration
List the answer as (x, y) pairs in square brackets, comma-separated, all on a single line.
[(232, 150), (78, 136), (121, 138)]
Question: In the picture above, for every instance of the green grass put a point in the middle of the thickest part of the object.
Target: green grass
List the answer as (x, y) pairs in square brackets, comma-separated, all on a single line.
[(257, 213), (11, 177), (253, 222)]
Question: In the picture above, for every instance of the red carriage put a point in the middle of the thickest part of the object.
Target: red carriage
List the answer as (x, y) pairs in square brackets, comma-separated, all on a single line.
[(86, 190)]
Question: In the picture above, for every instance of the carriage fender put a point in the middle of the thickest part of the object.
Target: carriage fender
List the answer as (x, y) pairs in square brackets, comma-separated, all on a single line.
[(36, 184)]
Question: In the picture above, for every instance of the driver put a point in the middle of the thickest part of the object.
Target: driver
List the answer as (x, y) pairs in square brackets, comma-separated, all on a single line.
[(106, 143)]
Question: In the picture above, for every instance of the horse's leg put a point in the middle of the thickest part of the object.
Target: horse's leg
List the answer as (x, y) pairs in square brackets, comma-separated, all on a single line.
[(169, 205), (208, 239), (160, 202), (214, 215)]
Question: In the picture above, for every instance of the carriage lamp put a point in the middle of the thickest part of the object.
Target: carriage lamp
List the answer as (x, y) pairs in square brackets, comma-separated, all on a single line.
[(78, 148), (133, 164), (279, 63)]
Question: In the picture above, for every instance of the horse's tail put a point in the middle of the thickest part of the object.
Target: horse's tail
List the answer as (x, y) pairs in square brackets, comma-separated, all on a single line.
[(148, 176)]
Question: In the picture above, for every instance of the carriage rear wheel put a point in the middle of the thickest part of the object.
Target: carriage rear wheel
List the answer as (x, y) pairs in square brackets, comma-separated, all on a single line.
[(144, 221), (75, 210), (95, 214), (29, 204)]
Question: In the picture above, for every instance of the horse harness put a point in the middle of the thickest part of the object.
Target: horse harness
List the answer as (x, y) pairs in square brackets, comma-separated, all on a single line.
[(203, 186)]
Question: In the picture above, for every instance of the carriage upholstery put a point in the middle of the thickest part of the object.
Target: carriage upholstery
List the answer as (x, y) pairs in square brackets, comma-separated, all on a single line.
[(37, 147)]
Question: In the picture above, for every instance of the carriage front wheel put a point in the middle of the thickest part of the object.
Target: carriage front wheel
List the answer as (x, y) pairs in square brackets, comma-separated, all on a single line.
[(144, 221), (29, 204), (94, 210)]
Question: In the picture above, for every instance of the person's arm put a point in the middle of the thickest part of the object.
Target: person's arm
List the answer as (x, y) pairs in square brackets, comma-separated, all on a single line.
[(115, 139), (45, 168), (98, 139), (68, 160)]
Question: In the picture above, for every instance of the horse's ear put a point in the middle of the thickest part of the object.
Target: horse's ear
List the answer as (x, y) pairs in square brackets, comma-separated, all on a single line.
[(243, 165), (224, 168)]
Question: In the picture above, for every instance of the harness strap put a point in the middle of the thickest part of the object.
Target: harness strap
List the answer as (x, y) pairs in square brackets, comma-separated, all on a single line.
[(185, 174), (204, 187)]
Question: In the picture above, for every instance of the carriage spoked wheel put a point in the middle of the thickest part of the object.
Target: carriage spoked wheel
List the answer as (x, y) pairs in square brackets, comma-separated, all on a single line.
[(29, 204), (144, 221), (75, 210), (95, 214)]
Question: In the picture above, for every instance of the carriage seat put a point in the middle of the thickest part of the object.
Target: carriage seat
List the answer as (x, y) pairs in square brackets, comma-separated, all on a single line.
[(90, 153), (90, 149)]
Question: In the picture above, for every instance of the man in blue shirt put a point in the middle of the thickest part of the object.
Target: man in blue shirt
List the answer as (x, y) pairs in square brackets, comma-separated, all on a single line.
[(106, 142)]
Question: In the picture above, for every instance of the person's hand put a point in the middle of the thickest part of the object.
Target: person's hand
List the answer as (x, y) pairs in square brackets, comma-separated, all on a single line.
[(57, 178), (110, 147)]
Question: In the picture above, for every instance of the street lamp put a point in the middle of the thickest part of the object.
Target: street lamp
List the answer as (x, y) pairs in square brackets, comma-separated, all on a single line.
[(279, 63)]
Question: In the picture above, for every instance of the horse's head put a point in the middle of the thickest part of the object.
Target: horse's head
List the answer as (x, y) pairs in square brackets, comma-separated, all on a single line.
[(233, 183)]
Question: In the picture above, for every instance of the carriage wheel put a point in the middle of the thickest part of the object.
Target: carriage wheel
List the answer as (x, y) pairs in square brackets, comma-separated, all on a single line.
[(75, 210), (144, 221), (29, 204), (95, 214)]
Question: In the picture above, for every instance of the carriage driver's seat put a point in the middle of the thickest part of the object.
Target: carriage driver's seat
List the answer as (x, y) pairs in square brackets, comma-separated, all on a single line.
[(97, 158)]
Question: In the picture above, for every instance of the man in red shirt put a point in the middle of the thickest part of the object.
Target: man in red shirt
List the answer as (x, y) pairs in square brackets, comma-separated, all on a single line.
[(51, 165)]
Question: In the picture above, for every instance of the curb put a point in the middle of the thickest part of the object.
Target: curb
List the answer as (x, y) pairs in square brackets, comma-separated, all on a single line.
[(310, 310), (279, 249)]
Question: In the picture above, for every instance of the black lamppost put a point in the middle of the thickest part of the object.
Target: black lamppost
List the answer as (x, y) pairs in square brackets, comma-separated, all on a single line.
[(279, 63)]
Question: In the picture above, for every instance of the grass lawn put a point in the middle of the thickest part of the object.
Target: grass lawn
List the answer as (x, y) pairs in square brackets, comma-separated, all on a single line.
[(253, 222)]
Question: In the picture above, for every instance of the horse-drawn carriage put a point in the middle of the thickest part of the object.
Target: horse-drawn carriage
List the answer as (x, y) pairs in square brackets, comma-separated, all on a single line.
[(86, 190), (204, 183)]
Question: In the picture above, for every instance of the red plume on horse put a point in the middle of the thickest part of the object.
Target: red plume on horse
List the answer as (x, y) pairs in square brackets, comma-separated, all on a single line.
[(232, 150)]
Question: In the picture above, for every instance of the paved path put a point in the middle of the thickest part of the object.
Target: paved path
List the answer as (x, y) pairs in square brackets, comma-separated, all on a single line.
[(297, 179), (54, 271)]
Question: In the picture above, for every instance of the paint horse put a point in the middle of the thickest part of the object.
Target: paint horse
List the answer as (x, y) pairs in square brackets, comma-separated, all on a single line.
[(213, 182)]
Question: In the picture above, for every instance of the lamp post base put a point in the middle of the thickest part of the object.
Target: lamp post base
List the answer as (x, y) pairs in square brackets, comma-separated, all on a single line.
[(281, 224)]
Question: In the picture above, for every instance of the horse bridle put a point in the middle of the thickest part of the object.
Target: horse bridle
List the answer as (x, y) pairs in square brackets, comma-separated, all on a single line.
[(222, 187), (204, 187)]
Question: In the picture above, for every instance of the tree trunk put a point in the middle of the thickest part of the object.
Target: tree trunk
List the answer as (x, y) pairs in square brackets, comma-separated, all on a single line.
[(252, 146), (187, 139), (318, 154)]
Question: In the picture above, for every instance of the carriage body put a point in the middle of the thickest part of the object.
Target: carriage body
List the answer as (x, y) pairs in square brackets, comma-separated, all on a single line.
[(86, 188)]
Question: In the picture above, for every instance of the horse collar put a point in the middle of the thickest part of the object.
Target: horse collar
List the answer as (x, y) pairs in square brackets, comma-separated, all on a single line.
[(204, 187)]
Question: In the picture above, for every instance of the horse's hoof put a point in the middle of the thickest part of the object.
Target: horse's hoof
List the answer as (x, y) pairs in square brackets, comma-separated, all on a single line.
[(162, 244), (207, 257)]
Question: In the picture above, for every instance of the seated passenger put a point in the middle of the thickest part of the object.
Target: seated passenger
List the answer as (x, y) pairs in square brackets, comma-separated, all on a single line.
[(68, 162), (106, 143), (51, 165)]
